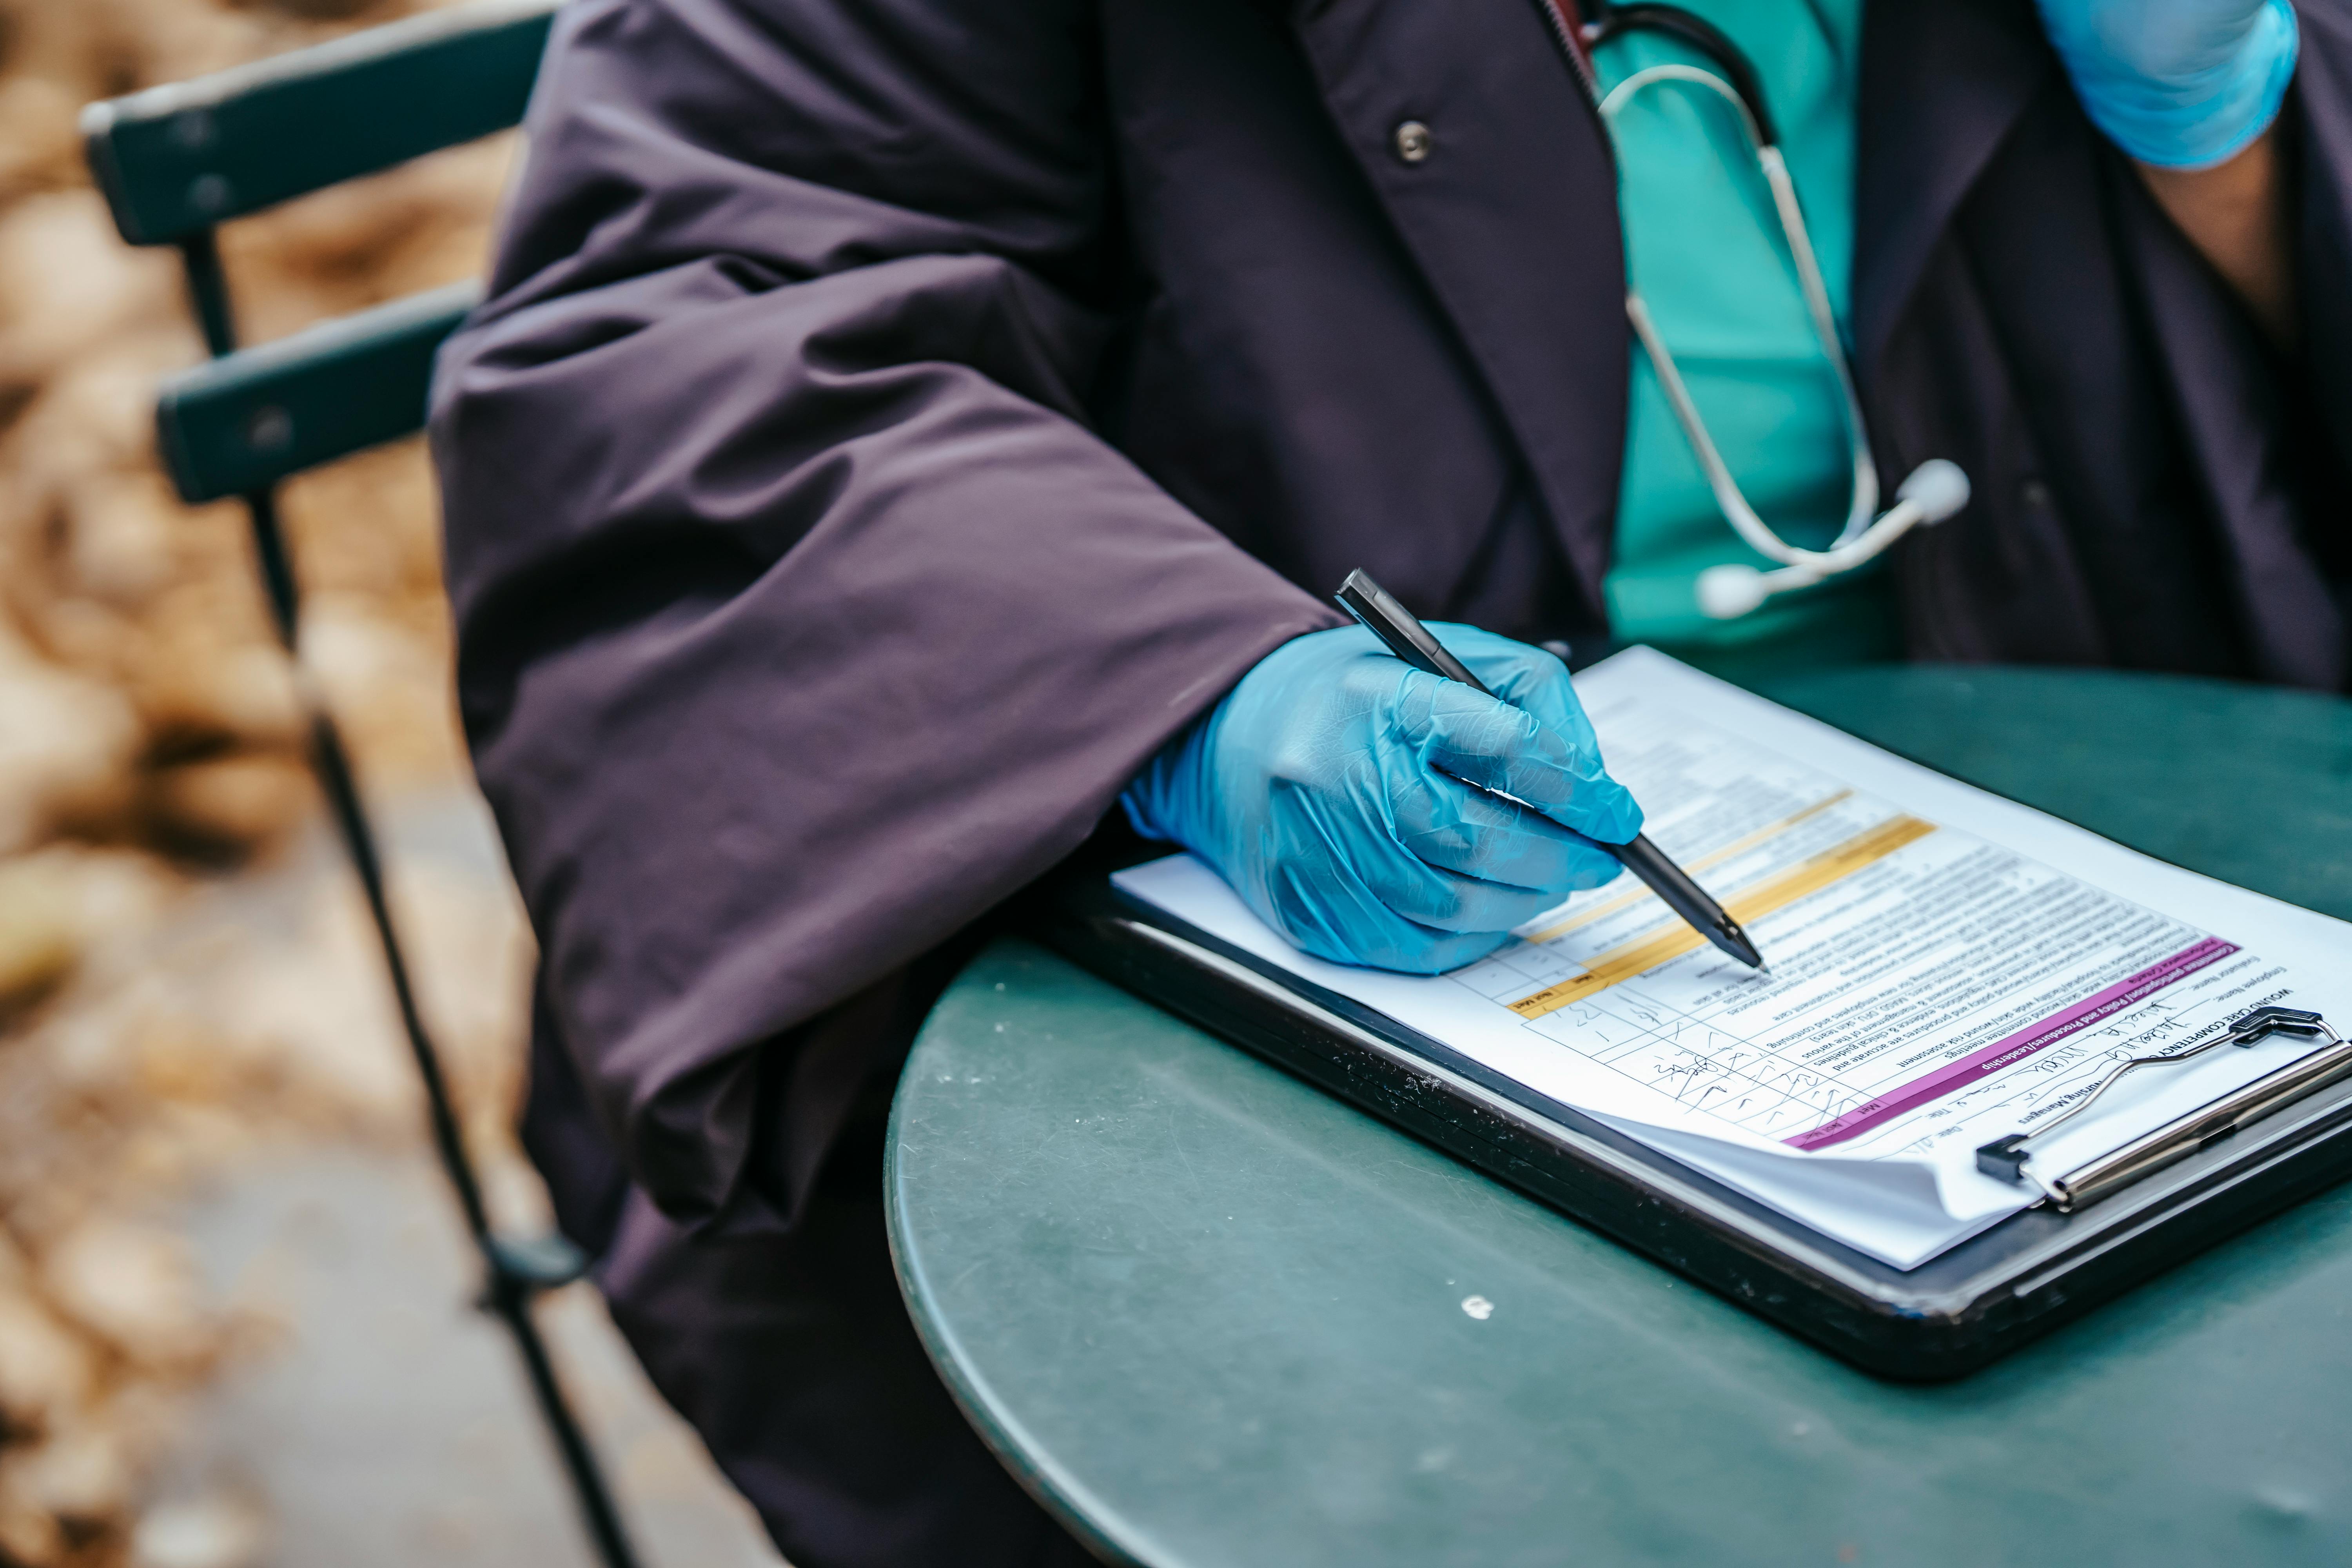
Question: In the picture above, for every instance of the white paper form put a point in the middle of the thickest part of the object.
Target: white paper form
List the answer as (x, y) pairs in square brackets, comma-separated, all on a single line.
[(1947, 967)]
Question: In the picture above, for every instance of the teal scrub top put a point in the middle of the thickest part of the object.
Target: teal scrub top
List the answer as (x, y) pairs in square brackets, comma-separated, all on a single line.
[(1705, 248)]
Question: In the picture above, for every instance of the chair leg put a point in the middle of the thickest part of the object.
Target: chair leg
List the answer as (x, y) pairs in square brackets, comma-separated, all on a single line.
[(597, 1507), (513, 1276)]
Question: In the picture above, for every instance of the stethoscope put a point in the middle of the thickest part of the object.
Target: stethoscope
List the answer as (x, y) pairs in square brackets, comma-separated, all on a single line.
[(1935, 489)]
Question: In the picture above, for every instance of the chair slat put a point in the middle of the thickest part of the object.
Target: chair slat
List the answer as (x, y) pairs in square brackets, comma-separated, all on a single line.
[(175, 160), (238, 425)]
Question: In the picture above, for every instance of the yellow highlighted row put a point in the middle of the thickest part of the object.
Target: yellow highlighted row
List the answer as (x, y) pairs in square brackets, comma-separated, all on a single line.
[(1644, 954), (1714, 857)]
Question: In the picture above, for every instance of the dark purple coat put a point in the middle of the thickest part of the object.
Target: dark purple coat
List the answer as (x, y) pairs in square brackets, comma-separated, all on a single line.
[(893, 418)]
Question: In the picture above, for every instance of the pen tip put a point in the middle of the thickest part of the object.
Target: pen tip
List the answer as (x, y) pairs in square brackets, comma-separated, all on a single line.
[(1736, 942)]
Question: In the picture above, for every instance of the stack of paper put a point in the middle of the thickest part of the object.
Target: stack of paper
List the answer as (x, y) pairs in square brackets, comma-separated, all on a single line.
[(1945, 967)]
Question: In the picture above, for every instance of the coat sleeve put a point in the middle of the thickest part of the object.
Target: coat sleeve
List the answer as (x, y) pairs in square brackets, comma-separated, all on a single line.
[(800, 615)]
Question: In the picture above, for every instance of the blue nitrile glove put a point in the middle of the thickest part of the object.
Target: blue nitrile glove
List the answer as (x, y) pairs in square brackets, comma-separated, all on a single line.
[(2183, 84), (1326, 789)]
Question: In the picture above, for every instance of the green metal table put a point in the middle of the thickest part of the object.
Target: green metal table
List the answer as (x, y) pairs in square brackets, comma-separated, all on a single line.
[(1214, 1317)]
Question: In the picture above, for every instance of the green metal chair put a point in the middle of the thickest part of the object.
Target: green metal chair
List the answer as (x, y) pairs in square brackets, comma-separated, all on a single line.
[(176, 162)]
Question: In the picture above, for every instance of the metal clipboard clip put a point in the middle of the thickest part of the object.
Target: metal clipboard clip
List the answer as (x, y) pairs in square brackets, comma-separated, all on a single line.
[(2011, 1158)]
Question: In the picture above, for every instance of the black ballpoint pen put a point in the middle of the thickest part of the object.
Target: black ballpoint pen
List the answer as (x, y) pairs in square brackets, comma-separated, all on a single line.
[(1411, 641)]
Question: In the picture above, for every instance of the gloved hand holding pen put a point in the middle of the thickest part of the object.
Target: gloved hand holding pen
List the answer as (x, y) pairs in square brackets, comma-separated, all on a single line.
[(1327, 789), (2179, 84)]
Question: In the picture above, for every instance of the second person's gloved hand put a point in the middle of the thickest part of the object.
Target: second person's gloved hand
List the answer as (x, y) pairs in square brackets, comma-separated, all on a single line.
[(1326, 789), (2182, 84)]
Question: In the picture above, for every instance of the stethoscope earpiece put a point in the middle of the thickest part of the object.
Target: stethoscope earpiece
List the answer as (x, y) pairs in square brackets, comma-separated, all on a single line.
[(1939, 487), (1728, 592)]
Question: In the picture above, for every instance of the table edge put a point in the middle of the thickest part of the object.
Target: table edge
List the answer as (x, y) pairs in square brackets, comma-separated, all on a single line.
[(1050, 1483)]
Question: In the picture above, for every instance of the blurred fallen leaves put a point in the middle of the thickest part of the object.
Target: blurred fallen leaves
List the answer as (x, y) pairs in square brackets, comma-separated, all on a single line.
[(167, 1001)]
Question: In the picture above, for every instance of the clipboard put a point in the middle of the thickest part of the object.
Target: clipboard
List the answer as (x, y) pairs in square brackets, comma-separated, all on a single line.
[(2093, 1233)]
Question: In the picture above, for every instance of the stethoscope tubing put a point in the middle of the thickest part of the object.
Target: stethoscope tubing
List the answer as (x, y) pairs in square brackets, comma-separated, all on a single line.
[(1751, 528), (1933, 493)]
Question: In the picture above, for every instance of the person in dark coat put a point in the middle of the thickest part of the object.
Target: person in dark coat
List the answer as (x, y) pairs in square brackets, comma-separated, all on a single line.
[(894, 424)]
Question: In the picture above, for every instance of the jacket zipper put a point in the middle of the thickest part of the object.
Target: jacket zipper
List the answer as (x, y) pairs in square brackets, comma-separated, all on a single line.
[(1567, 28)]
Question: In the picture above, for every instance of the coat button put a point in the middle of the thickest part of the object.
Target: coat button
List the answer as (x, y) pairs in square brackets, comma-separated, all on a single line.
[(1411, 140)]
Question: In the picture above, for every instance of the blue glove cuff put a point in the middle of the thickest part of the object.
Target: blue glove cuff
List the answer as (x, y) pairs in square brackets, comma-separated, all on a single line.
[(1134, 800), (1153, 798), (2201, 119), (1135, 817)]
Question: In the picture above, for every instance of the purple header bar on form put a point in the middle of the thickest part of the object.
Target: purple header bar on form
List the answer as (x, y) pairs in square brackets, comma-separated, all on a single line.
[(2026, 1042)]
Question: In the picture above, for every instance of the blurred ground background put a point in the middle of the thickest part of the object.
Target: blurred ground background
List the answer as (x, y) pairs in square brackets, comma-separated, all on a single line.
[(232, 1319)]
